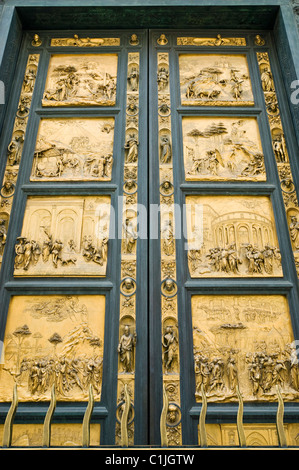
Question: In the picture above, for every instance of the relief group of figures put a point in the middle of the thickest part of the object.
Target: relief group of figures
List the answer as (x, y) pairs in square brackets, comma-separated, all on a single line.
[(258, 261), (222, 82), (68, 86), (29, 251), (263, 371), (92, 166), (204, 88), (65, 373)]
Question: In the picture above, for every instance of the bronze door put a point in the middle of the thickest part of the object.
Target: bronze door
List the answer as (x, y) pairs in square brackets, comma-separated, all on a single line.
[(224, 290), (148, 240), (73, 273)]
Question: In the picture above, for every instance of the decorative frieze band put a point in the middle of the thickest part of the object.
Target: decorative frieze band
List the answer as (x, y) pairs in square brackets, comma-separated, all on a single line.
[(15, 148), (281, 153), (217, 41), (169, 305), (76, 41), (127, 321)]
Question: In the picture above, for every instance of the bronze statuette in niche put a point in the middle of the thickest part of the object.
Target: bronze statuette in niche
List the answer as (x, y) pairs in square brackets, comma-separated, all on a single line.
[(222, 148), (69, 149)]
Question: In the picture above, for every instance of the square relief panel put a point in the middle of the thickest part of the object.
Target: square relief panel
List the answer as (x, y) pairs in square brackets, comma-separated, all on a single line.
[(243, 341), (81, 80), (215, 80), (53, 340), (64, 236), (222, 148), (232, 236), (70, 149)]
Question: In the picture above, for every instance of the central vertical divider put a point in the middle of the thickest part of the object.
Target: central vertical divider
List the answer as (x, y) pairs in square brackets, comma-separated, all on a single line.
[(132, 348), (164, 334)]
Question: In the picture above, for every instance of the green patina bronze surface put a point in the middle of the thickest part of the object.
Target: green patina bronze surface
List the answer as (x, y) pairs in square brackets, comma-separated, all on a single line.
[(139, 16)]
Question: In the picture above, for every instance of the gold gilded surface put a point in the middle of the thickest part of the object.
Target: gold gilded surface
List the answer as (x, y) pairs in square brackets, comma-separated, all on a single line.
[(232, 236), (222, 148), (53, 340), (74, 149), (64, 236), (66, 434), (257, 435), (215, 80), (245, 341), (81, 80), (280, 151)]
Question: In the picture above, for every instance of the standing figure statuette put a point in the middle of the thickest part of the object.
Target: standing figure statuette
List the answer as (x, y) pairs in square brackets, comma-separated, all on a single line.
[(126, 347)]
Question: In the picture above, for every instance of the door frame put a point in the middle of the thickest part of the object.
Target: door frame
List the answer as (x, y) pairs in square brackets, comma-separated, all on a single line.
[(277, 15), (104, 411)]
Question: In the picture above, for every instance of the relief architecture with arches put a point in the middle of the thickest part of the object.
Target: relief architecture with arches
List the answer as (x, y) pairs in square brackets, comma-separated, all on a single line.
[(246, 342), (58, 340)]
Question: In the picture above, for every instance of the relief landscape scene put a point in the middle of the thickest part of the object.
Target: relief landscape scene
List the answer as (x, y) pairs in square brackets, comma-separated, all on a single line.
[(81, 80), (53, 340), (232, 236), (74, 149), (243, 341), (222, 148), (64, 236)]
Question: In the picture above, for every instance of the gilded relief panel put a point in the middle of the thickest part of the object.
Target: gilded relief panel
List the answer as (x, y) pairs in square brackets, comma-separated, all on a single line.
[(232, 236), (64, 236), (81, 80), (280, 151), (257, 435), (223, 148), (53, 340), (215, 80), (243, 341), (70, 149)]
